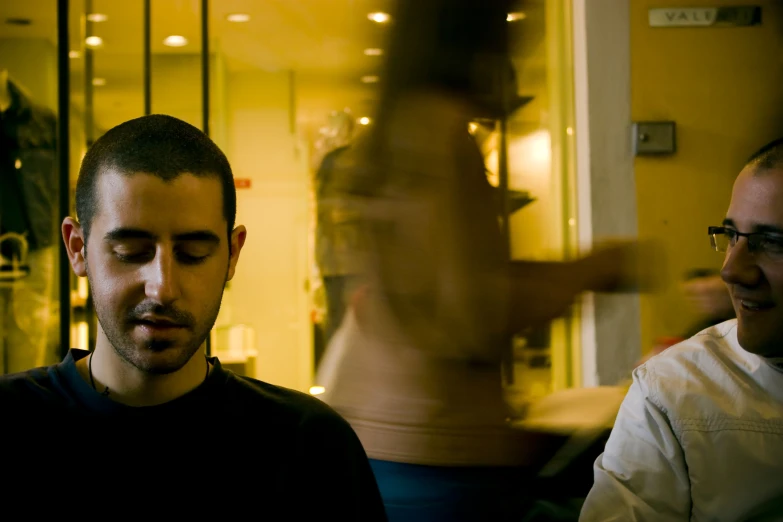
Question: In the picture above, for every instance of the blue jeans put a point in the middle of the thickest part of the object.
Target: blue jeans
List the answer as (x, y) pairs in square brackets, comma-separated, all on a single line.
[(413, 493)]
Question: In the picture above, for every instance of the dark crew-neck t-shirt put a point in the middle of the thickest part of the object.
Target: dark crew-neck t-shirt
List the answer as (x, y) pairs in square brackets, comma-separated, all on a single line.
[(249, 445)]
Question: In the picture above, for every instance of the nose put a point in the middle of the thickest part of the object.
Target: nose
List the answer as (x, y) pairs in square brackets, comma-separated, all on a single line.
[(740, 266), (161, 285)]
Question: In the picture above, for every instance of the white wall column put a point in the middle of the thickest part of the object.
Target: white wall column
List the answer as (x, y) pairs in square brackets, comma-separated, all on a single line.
[(611, 332)]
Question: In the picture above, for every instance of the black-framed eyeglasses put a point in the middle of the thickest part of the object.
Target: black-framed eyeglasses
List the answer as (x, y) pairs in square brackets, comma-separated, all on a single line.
[(724, 238)]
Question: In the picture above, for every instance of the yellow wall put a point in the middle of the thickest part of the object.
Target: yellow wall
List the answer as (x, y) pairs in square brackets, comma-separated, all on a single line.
[(723, 88)]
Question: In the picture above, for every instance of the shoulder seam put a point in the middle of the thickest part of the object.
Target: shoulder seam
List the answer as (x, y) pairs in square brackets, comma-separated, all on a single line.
[(711, 334)]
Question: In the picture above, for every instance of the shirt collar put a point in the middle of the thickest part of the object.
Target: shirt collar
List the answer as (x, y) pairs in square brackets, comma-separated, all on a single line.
[(92, 400), (775, 362)]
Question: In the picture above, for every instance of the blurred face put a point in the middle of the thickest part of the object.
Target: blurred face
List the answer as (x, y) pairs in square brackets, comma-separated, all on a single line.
[(157, 262), (755, 279)]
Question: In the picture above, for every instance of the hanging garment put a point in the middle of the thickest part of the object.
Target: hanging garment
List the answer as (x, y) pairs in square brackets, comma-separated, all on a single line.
[(29, 192)]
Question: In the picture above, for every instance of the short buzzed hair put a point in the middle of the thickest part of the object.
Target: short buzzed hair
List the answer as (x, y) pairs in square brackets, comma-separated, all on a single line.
[(160, 145), (770, 156)]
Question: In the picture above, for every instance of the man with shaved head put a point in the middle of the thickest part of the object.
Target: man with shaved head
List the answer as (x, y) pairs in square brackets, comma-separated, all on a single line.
[(700, 434), (147, 414)]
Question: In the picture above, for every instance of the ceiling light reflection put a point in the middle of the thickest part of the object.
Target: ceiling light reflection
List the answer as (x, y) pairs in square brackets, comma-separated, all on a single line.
[(93, 41), (238, 17), (379, 17), (175, 40)]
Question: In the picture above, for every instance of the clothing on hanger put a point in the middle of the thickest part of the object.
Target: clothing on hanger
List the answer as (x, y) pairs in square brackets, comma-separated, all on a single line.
[(29, 185)]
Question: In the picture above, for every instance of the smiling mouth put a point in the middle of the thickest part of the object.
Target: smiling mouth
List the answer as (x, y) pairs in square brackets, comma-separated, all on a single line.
[(755, 306)]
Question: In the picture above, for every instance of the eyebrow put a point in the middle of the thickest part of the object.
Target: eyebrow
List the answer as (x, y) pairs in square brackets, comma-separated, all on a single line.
[(124, 234), (770, 229)]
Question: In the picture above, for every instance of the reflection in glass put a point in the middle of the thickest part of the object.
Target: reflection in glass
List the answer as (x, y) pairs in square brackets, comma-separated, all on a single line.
[(29, 188), (114, 79), (286, 90), (176, 60), (106, 89), (540, 166)]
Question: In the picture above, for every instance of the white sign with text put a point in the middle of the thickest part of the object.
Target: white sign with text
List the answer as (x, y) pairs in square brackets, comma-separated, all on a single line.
[(704, 16)]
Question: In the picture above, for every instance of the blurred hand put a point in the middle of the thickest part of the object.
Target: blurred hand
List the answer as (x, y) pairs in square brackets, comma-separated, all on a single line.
[(542, 291), (709, 296), (624, 266)]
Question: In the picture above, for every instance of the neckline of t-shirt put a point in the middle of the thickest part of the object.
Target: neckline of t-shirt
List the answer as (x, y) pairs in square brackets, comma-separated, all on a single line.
[(94, 401)]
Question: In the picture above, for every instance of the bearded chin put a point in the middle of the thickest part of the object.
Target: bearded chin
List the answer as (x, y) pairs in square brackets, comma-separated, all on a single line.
[(160, 345)]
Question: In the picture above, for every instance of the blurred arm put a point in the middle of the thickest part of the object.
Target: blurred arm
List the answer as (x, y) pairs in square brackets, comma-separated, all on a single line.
[(543, 291), (437, 255)]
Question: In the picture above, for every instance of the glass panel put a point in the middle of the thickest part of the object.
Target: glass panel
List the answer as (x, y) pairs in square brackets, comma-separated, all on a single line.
[(289, 83), (176, 60), (116, 78), (107, 67), (80, 115), (286, 89), (29, 186), (540, 177)]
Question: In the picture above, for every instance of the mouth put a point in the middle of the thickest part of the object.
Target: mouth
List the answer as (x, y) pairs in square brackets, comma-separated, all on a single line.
[(158, 324), (755, 306)]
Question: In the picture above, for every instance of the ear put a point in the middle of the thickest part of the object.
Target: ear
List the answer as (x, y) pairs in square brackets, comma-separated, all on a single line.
[(75, 245), (237, 239)]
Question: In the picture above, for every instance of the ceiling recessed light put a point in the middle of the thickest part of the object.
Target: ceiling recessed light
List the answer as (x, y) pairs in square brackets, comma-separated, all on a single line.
[(238, 17), (379, 17), (175, 40), (99, 82), (97, 17), (513, 17), (93, 41), (370, 79), (74, 54), (373, 52), (364, 120), (317, 390)]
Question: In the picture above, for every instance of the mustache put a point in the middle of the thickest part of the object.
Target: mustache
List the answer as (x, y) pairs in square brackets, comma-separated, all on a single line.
[(171, 313)]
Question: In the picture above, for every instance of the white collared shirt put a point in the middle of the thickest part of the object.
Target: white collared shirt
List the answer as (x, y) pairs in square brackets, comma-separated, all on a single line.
[(698, 437)]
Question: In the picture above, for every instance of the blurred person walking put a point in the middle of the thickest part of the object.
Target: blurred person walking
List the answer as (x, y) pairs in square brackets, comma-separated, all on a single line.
[(416, 364)]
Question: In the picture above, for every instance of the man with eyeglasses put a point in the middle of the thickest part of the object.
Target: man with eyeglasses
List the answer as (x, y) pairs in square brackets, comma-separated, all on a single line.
[(700, 433)]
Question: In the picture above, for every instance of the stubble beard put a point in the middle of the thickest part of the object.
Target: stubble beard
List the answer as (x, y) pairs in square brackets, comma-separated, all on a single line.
[(118, 333)]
